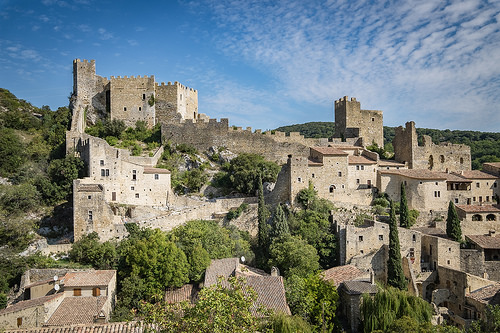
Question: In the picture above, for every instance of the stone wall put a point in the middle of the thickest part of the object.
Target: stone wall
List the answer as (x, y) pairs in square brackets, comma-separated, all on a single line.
[(437, 251), (34, 316)]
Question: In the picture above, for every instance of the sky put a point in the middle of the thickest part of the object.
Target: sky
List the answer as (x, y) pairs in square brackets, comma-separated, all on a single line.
[(266, 64)]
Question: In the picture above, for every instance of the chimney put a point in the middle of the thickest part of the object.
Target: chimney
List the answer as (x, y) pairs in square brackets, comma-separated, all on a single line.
[(275, 271), (491, 233), (372, 277)]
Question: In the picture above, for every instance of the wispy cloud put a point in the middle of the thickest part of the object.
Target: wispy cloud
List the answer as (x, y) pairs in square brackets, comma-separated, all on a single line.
[(104, 34), (436, 61)]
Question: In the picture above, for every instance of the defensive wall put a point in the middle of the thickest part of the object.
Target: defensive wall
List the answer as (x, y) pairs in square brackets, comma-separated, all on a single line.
[(445, 157)]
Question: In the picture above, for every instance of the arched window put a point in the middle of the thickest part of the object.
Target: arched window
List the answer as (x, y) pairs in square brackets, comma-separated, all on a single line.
[(461, 160), (477, 217), (332, 188), (491, 217), (441, 158)]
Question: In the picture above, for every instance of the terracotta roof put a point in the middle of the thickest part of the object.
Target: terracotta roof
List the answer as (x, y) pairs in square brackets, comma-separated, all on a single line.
[(76, 310), (493, 164), (151, 170), (360, 160), (270, 292), (454, 177), (220, 267), (390, 163), (90, 188), (484, 241), (329, 151), (29, 303), (123, 327), (416, 174), (431, 231), (347, 147), (359, 287), (340, 274), (479, 208), (88, 279), (486, 294), (187, 292), (313, 163), (477, 174)]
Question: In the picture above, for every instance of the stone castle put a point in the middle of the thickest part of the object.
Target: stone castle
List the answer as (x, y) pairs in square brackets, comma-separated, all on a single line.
[(119, 188)]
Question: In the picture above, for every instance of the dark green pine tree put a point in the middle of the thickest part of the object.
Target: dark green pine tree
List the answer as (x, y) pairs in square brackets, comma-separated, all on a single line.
[(404, 217), (453, 228), (395, 275), (280, 224), (263, 228)]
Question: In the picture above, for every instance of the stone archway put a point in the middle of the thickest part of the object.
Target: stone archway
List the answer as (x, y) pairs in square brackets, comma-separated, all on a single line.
[(477, 217)]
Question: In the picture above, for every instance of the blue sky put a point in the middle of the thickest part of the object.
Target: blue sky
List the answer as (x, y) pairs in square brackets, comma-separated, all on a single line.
[(266, 64)]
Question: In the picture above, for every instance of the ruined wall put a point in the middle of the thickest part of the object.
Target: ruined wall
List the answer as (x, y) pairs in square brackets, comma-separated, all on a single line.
[(441, 157), (437, 251), (129, 99), (351, 121), (472, 262)]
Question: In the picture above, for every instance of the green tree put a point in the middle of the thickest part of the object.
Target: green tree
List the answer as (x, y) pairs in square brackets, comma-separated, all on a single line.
[(314, 299), (395, 275), (11, 152), (282, 323), (17, 199), (90, 251), (404, 218), (306, 196), (263, 227), (453, 228), (279, 227), (293, 255), (62, 172)]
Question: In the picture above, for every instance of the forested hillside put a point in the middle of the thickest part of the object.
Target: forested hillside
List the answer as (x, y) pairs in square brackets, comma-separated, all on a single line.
[(485, 146)]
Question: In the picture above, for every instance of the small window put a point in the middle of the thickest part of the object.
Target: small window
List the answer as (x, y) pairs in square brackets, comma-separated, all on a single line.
[(357, 181), (487, 198), (420, 183), (157, 176), (132, 188), (299, 179), (343, 186), (107, 172), (412, 252), (381, 237), (101, 162), (312, 176), (473, 198), (357, 167), (361, 251), (181, 97), (124, 108), (96, 291), (90, 215), (360, 238), (362, 167), (89, 197), (373, 119), (340, 174), (437, 194), (436, 183), (449, 249), (103, 172), (414, 238), (19, 321), (332, 187), (140, 109), (77, 292), (456, 200), (137, 195), (134, 174), (461, 160), (143, 96), (478, 185), (448, 262)]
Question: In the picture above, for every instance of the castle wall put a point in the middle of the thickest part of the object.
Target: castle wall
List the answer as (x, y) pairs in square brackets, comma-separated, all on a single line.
[(129, 99), (175, 102), (437, 251)]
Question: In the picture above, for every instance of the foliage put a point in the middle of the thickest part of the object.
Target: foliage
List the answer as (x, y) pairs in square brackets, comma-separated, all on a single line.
[(90, 251), (381, 151), (234, 214), (404, 219), (489, 324), (293, 256), (413, 215), (3, 301), (381, 201), (359, 220), (453, 228), (12, 152), (263, 228), (395, 275), (151, 100), (381, 311), (17, 199), (311, 129), (62, 172), (279, 226), (281, 323), (219, 309), (243, 171), (314, 299), (306, 196), (379, 210)]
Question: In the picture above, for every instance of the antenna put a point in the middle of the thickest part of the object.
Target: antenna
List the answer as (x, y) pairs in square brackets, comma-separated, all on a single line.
[(242, 259), (56, 278), (56, 287)]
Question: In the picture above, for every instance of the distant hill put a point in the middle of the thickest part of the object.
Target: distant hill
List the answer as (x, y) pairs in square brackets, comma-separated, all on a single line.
[(485, 146)]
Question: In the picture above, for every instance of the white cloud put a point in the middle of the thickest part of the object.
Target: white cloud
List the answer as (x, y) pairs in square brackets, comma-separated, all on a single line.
[(104, 34)]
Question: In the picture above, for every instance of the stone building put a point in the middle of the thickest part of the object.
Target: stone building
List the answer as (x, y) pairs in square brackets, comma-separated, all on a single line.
[(443, 157), (353, 122), (351, 296), (130, 99)]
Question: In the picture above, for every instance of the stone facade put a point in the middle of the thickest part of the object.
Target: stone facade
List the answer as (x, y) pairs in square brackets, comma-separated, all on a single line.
[(442, 157), (352, 122)]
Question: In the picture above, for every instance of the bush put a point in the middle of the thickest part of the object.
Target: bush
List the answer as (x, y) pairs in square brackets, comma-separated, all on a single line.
[(381, 202), (234, 214)]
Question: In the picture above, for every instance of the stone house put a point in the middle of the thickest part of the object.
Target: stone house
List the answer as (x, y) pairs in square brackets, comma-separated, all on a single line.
[(79, 297), (483, 257), (351, 296), (123, 327), (339, 274)]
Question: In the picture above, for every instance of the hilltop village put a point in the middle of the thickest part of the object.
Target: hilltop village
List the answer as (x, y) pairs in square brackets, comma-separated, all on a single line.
[(119, 188)]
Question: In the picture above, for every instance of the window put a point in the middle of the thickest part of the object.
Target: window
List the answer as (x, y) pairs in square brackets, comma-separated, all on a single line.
[(357, 167), (473, 198), (437, 194), (495, 184), (340, 174), (299, 179), (107, 172), (373, 119), (137, 195), (436, 183), (414, 238), (181, 97), (89, 197), (101, 162), (412, 252), (103, 172), (143, 96), (448, 262), (487, 198), (77, 292), (449, 249), (134, 174), (96, 291), (420, 183), (19, 322), (461, 160), (357, 181), (140, 109), (362, 167), (132, 188), (381, 237), (361, 251), (90, 215), (124, 108), (332, 187), (157, 176), (477, 185), (360, 238), (456, 200), (312, 176)]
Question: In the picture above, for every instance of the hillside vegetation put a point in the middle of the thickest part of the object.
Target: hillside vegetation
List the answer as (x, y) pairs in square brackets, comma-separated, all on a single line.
[(485, 146)]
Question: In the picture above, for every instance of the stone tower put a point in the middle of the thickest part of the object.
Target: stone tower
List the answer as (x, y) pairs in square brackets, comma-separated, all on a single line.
[(352, 122)]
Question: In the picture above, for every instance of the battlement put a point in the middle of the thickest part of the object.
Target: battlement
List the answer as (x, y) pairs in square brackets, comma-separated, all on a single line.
[(85, 61), (345, 99), (176, 84), (131, 77)]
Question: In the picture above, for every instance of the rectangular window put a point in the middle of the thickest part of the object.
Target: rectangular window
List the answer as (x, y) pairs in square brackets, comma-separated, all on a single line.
[(90, 215), (107, 172), (19, 322), (381, 237), (312, 175), (362, 167), (456, 200), (340, 174), (473, 198), (137, 195), (103, 172), (487, 198), (124, 108), (478, 185), (134, 174), (157, 176), (132, 188), (357, 181), (357, 167), (437, 194), (77, 292), (101, 162), (360, 238), (96, 291), (140, 109), (89, 197), (143, 96), (299, 179)]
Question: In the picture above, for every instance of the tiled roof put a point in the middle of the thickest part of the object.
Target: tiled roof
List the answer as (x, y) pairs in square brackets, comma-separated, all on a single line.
[(416, 174), (454, 177), (486, 294), (151, 170), (220, 267), (478, 174), (187, 292), (359, 287), (270, 292), (329, 151), (431, 231), (485, 242), (360, 160), (90, 188), (383, 163), (340, 274), (493, 164), (480, 208), (244, 270), (76, 310), (88, 279), (29, 303), (123, 327), (313, 163), (347, 147)]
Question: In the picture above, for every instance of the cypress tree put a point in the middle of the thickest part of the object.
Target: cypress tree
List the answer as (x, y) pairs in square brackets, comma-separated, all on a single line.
[(263, 230), (280, 224), (453, 228), (404, 218), (395, 275)]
